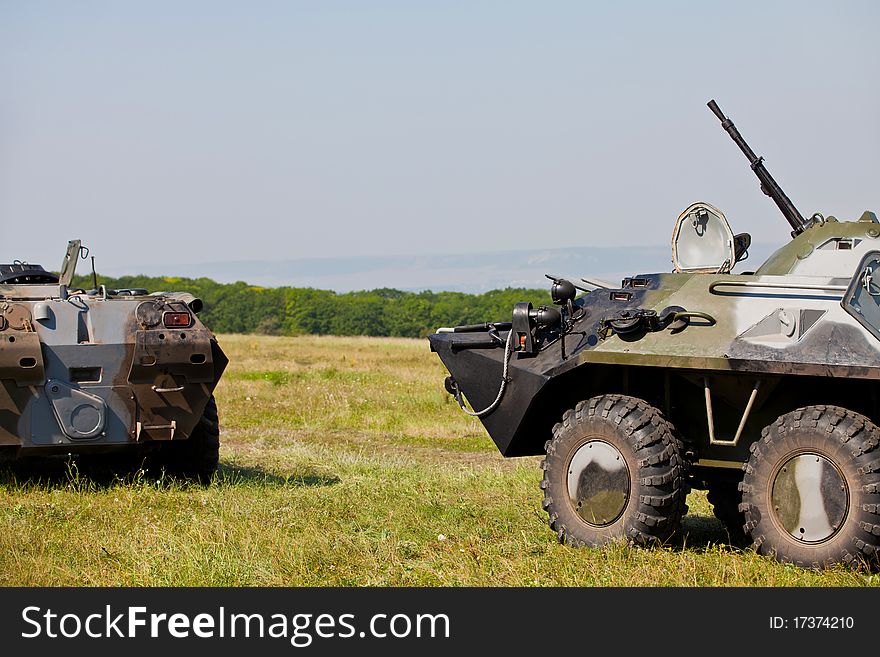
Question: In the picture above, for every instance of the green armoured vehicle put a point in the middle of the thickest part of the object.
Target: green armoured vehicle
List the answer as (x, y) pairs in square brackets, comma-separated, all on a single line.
[(759, 387), (101, 371)]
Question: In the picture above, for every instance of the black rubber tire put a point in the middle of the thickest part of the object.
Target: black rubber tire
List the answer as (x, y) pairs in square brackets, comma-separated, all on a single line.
[(197, 457), (725, 498), (652, 453), (850, 442)]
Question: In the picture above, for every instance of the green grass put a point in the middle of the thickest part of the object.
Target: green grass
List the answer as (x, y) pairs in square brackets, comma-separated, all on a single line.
[(344, 463)]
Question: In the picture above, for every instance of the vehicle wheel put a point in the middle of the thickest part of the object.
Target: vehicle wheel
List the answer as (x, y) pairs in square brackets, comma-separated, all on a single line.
[(811, 492), (197, 457), (614, 471), (725, 498)]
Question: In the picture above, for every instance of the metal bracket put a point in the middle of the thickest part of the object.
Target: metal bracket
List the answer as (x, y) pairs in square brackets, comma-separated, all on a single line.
[(153, 427), (742, 423)]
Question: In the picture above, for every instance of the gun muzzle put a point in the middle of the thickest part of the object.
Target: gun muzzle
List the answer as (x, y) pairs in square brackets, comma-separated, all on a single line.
[(716, 110)]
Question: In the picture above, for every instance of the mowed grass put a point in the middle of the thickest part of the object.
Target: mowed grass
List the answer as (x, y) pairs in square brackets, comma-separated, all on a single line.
[(344, 463)]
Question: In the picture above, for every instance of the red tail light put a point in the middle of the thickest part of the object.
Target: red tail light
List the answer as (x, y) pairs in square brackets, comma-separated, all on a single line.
[(177, 320)]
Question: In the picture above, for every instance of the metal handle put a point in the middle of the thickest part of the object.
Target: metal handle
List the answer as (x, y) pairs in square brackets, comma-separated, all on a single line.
[(692, 313), (163, 390), (713, 287)]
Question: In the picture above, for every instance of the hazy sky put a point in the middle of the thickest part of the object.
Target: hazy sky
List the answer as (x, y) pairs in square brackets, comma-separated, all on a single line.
[(197, 131)]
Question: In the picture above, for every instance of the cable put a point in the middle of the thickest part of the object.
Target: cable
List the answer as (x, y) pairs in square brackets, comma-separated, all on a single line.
[(490, 407)]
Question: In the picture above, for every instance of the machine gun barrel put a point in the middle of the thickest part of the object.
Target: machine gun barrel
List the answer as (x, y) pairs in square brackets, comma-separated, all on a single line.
[(768, 185)]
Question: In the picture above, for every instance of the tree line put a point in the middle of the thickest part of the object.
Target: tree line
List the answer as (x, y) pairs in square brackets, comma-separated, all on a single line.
[(243, 308)]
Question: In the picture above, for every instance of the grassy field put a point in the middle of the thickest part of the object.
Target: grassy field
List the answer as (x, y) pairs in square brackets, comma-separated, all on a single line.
[(344, 463)]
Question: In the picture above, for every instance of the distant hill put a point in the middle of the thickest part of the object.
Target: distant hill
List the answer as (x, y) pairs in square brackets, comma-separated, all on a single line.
[(472, 273)]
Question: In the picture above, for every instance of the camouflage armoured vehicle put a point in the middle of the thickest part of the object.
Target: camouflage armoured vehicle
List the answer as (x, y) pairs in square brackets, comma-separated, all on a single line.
[(759, 387), (103, 371)]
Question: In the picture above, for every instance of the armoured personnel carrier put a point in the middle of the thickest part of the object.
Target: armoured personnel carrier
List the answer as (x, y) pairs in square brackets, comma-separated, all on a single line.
[(760, 387), (97, 371)]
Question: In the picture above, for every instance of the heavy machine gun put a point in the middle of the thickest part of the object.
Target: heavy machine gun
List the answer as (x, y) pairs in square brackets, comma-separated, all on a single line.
[(768, 185)]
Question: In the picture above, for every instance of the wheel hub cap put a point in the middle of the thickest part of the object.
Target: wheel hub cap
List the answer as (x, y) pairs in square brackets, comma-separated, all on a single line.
[(809, 497), (598, 483)]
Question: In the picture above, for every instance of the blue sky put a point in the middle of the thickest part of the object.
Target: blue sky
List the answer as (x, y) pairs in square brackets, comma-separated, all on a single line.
[(186, 132)]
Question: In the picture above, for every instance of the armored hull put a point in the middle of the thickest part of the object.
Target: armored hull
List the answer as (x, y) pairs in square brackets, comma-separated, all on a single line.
[(785, 323), (88, 371)]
